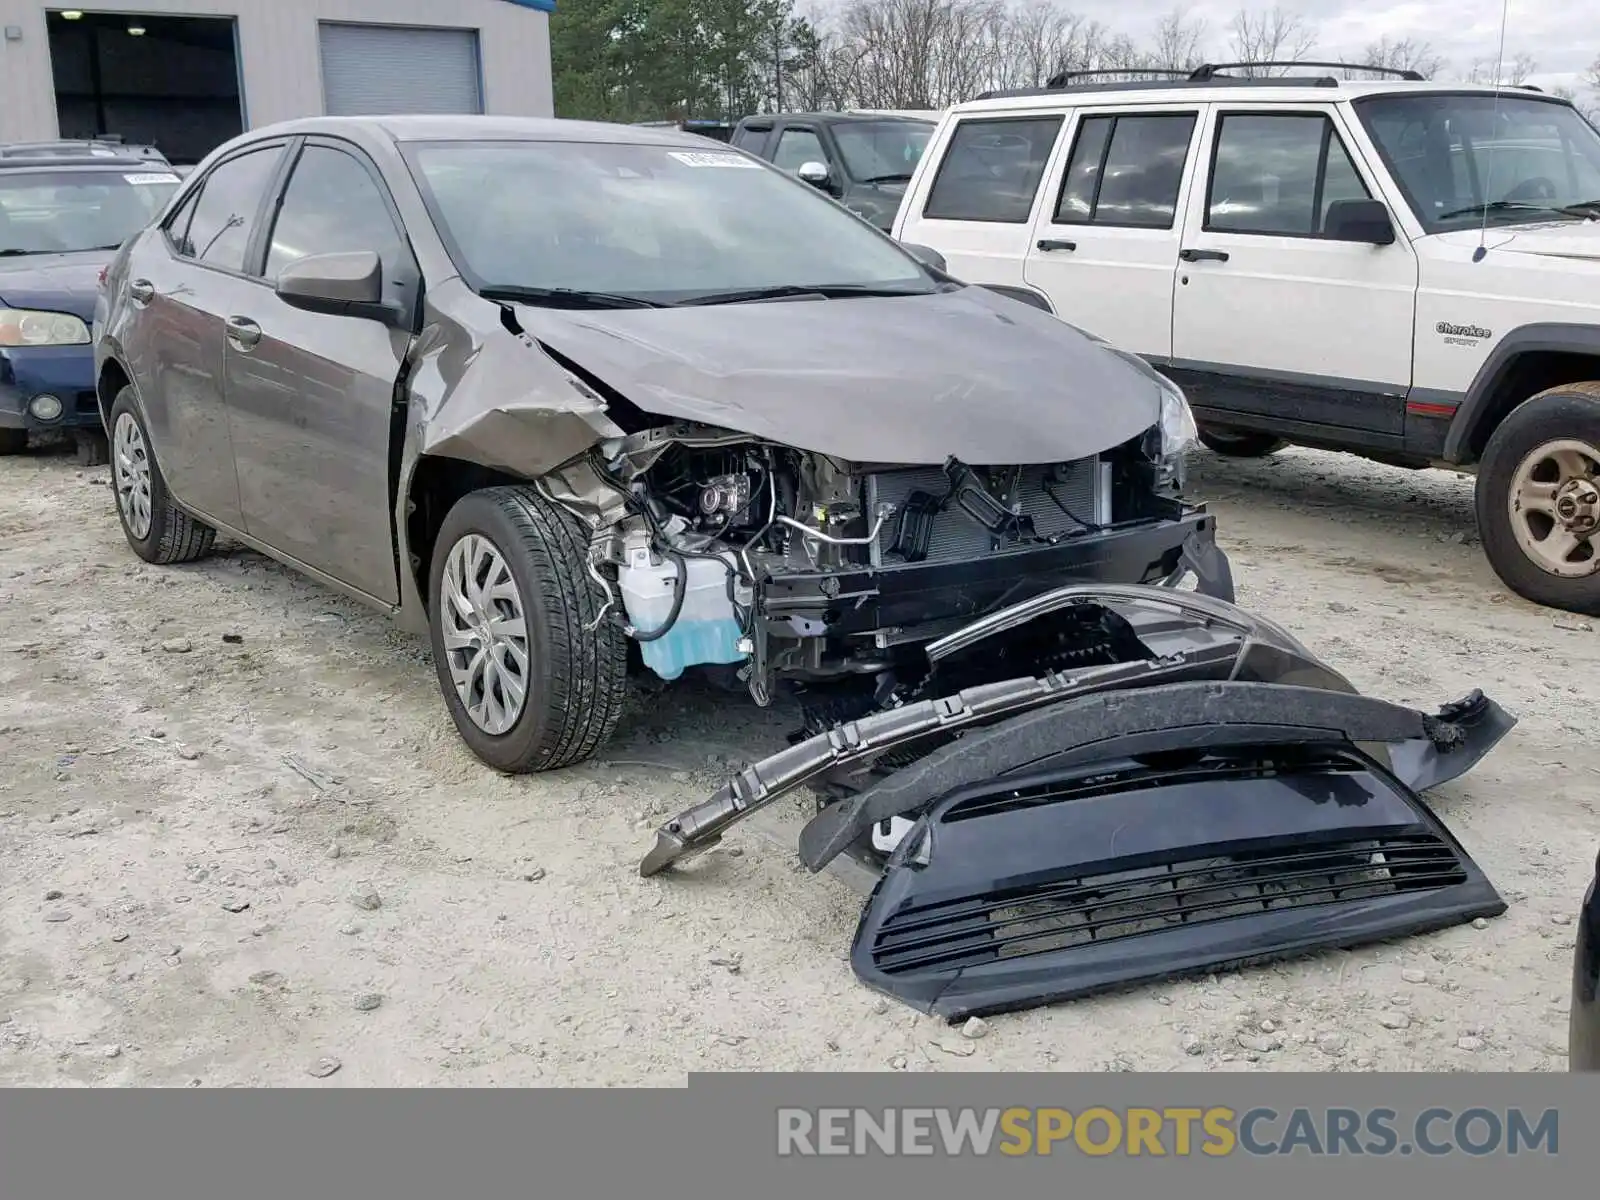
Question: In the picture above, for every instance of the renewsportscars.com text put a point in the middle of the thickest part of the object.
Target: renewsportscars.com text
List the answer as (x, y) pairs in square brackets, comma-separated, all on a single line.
[(1166, 1132)]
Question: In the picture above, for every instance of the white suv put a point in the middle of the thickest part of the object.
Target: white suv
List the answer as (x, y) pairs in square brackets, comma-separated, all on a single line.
[(1405, 270)]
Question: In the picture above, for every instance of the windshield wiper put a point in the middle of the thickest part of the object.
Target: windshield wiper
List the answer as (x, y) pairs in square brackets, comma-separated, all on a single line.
[(565, 297), (897, 177), (1584, 208), (19, 253), (795, 291), (1495, 206)]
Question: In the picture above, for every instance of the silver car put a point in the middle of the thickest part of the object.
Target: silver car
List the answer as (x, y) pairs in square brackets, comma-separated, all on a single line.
[(578, 400)]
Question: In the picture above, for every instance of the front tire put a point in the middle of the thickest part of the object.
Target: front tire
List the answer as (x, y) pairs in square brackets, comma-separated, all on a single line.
[(158, 530), (531, 680), (1538, 499), (1236, 443)]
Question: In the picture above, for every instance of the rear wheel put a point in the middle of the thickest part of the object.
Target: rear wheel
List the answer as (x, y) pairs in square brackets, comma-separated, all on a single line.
[(157, 529), (13, 441), (533, 679), (1236, 443), (1538, 499)]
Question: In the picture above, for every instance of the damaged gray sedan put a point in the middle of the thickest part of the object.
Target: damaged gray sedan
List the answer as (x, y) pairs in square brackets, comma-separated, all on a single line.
[(554, 390), (583, 401)]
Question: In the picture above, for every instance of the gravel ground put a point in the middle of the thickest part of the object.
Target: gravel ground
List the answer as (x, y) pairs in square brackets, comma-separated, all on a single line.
[(240, 843)]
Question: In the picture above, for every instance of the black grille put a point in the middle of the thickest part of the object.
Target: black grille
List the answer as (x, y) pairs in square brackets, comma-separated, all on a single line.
[(1117, 905)]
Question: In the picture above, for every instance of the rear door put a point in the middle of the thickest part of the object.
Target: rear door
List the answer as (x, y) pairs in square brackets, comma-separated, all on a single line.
[(181, 284), (975, 194), (1275, 322), (311, 396), (1105, 245)]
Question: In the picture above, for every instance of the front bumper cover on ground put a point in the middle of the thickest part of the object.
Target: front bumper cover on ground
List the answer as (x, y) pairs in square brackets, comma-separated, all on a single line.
[(1217, 796)]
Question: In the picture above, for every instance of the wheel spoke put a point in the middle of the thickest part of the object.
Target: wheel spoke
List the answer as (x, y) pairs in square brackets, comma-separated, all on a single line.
[(1537, 497), (1572, 463), (484, 633)]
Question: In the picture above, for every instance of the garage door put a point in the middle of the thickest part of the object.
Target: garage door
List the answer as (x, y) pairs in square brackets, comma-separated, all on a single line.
[(372, 69)]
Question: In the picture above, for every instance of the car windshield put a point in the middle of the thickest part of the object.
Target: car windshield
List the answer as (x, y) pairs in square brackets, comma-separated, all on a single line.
[(661, 223), (1463, 160), (56, 212), (883, 150)]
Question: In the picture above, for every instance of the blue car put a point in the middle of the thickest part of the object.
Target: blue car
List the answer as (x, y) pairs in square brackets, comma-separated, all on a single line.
[(62, 218)]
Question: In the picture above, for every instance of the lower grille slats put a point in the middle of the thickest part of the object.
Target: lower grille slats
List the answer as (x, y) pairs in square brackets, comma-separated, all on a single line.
[(1127, 903)]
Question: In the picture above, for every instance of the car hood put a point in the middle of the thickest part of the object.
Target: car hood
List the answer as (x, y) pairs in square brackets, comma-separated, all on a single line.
[(912, 379), (1548, 239), (53, 282)]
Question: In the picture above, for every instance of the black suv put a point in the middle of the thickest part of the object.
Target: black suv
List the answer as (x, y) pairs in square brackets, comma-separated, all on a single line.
[(862, 160)]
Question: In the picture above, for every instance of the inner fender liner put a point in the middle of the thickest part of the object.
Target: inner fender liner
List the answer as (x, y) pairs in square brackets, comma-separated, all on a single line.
[(1192, 715), (1028, 889)]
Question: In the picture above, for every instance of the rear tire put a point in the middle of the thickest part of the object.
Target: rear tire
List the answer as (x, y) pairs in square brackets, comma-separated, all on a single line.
[(1538, 499), (158, 530), (530, 685), (13, 441), (1233, 443)]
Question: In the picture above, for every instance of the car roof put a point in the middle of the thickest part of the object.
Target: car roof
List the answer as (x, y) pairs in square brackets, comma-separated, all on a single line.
[(839, 118), (86, 163), (445, 128), (1282, 89)]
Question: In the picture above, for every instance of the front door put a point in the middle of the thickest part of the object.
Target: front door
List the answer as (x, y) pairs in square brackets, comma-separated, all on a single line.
[(311, 397), (1274, 321), (1105, 246), (180, 284)]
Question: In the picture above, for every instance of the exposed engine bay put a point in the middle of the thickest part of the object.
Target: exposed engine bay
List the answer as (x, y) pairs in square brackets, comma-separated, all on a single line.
[(716, 549)]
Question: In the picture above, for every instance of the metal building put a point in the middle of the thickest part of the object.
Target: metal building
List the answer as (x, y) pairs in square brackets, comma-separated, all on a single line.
[(186, 75)]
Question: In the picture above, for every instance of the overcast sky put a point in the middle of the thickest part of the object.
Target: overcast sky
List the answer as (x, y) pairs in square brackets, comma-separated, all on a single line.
[(1562, 36)]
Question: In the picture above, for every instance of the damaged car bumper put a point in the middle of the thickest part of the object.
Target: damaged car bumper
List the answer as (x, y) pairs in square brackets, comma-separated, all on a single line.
[(1205, 793)]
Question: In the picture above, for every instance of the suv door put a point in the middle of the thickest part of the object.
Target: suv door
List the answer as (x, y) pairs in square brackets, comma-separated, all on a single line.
[(796, 145), (1105, 248), (312, 396), (180, 285), (1278, 326)]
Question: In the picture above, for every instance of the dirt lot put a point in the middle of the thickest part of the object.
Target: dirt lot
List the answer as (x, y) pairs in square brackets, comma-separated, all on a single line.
[(238, 836)]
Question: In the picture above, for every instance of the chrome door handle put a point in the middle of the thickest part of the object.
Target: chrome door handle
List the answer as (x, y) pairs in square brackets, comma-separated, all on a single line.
[(141, 291), (243, 332)]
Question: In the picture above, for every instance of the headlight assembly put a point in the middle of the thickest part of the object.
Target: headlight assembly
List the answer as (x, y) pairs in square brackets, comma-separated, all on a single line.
[(23, 327)]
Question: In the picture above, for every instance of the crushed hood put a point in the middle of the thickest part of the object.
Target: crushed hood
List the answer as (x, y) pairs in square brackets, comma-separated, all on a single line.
[(53, 282), (905, 379)]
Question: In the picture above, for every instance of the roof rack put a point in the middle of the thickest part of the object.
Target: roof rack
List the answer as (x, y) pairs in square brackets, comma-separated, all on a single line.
[(1209, 71), (1145, 85), (1062, 78)]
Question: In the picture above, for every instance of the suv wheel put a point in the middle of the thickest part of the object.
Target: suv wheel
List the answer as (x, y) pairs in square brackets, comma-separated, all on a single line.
[(1538, 498), (157, 529), (1236, 443), (533, 679)]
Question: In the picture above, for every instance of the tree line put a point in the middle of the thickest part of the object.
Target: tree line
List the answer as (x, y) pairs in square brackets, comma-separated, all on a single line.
[(641, 60)]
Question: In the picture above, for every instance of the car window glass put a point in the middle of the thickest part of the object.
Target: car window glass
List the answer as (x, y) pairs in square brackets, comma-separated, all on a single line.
[(796, 147), (178, 223), (332, 206), (885, 151), (71, 210), (750, 139), (219, 233), (1126, 170), (991, 170), (1272, 174)]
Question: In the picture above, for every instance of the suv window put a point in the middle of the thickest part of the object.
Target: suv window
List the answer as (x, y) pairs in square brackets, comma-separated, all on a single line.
[(332, 206), (1126, 170), (751, 137), (1278, 174), (218, 230), (796, 147), (992, 170)]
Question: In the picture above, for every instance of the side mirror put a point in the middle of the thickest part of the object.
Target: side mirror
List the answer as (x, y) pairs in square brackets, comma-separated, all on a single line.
[(1359, 221), (339, 285), (815, 173), (926, 255)]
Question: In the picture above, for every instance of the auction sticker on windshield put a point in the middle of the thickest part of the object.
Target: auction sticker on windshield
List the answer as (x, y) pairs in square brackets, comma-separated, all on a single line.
[(151, 179), (700, 158)]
